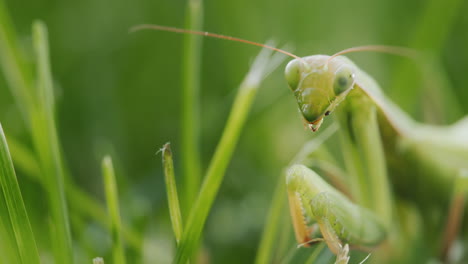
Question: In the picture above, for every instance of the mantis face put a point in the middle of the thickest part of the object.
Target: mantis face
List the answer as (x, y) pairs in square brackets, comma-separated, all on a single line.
[(319, 85)]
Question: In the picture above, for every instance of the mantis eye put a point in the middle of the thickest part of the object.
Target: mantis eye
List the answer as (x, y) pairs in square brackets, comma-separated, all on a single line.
[(344, 79), (293, 73)]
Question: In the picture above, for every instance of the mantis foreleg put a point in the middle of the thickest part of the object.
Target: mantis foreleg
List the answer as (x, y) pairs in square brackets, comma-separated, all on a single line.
[(341, 222), (364, 155)]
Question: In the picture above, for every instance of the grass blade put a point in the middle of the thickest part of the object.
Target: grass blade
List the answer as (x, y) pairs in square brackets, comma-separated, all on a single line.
[(114, 211), (171, 187), (8, 248), (19, 218), (191, 163), (17, 73), (222, 156), (47, 145)]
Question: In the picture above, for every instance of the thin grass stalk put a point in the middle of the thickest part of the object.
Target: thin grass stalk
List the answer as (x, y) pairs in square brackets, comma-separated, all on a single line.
[(17, 211), (110, 186), (191, 161), (171, 189), (214, 176), (47, 145)]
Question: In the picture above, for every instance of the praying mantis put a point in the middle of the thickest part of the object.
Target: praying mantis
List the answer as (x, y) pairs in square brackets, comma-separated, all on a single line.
[(398, 175), (375, 134)]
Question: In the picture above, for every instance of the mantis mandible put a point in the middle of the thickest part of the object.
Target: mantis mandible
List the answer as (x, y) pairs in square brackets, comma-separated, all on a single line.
[(400, 174)]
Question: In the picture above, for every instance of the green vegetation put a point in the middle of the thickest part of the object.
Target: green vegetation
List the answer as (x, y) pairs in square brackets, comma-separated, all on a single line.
[(76, 87)]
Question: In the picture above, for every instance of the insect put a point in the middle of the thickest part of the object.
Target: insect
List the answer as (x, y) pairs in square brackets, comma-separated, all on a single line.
[(405, 181)]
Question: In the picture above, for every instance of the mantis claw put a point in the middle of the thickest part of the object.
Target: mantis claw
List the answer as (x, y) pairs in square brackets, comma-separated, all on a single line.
[(343, 255)]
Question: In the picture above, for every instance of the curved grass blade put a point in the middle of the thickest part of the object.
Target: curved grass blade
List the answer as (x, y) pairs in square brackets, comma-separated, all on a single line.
[(110, 187), (171, 187), (19, 218)]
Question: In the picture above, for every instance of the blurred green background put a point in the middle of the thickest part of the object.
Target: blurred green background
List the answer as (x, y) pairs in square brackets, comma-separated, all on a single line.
[(119, 93)]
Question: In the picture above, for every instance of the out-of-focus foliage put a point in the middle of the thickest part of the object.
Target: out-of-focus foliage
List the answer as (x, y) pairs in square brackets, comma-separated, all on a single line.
[(119, 93)]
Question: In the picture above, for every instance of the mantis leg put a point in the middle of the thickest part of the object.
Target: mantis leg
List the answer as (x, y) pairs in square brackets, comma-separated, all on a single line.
[(364, 155), (455, 214), (314, 202), (322, 210)]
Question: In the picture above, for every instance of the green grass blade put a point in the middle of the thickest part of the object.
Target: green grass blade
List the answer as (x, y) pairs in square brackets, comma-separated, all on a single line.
[(17, 73), (47, 145), (222, 156), (269, 240), (114, 211), (17, 211), (191, 162), (8, 248), (171, 187), (20, 80)]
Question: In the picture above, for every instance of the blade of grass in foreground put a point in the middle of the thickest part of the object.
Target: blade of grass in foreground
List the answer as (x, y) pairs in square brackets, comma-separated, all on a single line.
[(262, 65), (110, 185), (19, 218), (171, 187), (48, 148), (8, 248)]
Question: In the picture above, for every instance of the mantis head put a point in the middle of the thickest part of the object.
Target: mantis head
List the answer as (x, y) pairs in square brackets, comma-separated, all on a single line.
[(319, 84)]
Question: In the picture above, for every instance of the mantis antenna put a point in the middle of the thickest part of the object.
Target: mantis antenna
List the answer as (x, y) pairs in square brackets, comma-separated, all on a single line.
[(401, 51), (212, 35)]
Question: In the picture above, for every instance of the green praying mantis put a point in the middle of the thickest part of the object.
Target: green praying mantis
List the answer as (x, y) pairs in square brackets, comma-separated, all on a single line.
[(384, 150), (402, 188)]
